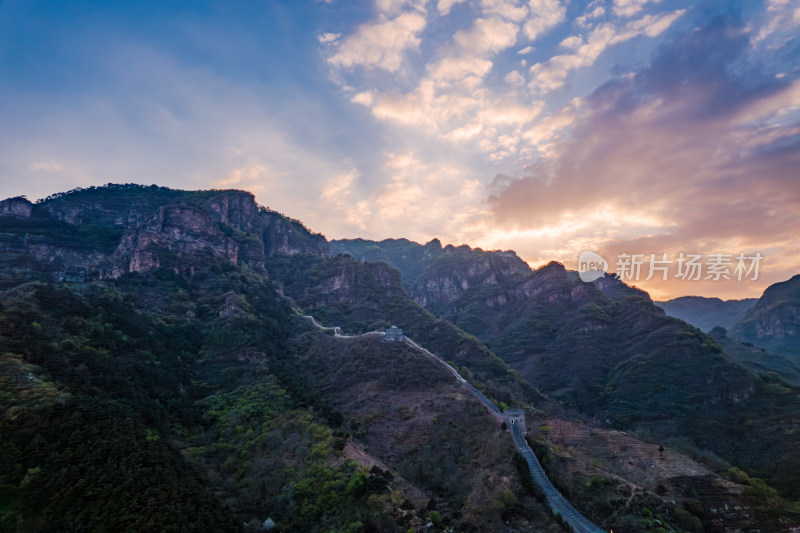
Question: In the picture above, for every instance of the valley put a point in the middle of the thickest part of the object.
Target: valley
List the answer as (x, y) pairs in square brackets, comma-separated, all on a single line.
[(194, 347)]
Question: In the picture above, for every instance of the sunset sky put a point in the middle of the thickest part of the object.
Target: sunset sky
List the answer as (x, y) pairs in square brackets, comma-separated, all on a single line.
[(545, 126)]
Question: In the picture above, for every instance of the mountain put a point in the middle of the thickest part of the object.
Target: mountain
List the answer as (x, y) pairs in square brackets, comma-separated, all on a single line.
[(103, 233), (158, 372), (707, 313), (606, 350), (758, 359), (773, 322), (157, 376), (716, 316)]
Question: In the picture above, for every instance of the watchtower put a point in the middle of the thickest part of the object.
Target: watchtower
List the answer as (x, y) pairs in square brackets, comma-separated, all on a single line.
[(516, 417), (393, 334)]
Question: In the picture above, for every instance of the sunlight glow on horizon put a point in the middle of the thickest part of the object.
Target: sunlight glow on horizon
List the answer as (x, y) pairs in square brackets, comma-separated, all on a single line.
[(547, 127)]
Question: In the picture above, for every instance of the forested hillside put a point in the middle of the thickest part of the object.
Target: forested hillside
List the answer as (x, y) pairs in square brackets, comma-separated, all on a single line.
[(607, 350), (161, 381), (158, 373)]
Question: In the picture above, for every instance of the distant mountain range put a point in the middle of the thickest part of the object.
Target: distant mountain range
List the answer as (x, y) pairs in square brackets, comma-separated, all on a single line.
[(157, 371), (707, 313), (771, 322)]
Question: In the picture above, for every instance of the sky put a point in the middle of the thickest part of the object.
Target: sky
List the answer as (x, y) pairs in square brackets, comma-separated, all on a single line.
[(550, 127)]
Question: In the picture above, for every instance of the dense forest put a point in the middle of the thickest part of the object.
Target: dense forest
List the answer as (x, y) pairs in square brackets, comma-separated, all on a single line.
[(111, 411)]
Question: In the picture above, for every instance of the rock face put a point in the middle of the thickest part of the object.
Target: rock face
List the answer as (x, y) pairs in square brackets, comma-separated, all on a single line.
[(16, 207), (110, 231), (344, 281), (434, 275), (458, 269), (773, 323)]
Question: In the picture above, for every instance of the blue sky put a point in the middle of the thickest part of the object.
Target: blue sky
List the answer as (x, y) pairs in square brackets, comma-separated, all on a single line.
[(544, 126)]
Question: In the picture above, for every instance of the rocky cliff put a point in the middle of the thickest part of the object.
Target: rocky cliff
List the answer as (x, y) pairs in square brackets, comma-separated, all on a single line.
[(106, 232), (773, 322), (436, 275)]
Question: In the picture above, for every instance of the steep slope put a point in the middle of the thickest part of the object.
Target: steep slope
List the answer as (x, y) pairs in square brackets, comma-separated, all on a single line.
[(362, 297), (773, 322), (405, 413), (166, 382), (758, 359), (707, 313), (605, 349)]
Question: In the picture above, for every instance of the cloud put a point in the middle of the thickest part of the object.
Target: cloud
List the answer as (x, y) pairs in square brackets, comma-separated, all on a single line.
[(551, 75), (552, 128), (46, 166), (417, 200), (594, 10), (690, 154), (514, 79), (628, 8), (424, 107), (486, 37), (444, 6), (379, 44), (451, 101), (510, 113), (470, 131), (365, 98), (508, 9), (412, 108), (325, 38), (455, 69), (247, 175), (783, 18), (339, 195), (573, 42), (393, 7), (545, 15), (455, 97)]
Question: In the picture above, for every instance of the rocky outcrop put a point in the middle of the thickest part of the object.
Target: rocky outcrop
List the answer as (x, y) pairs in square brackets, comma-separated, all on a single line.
[(284, 236), (183, 234), (16, 207), (773, 323), (109, 231), (459, 269), (343, 280)]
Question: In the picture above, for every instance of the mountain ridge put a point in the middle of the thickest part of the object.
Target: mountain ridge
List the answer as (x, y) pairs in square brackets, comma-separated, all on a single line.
[(707, 313), (199, 318), (604, 348), (268, 434)]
